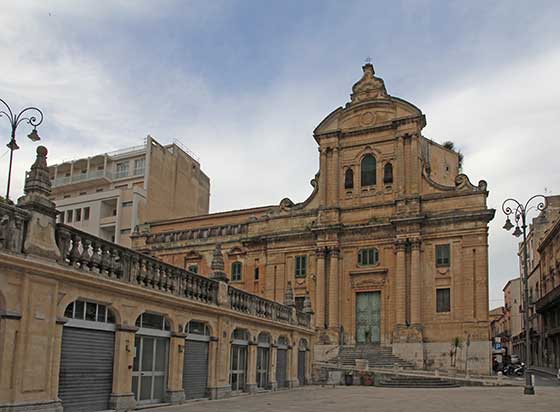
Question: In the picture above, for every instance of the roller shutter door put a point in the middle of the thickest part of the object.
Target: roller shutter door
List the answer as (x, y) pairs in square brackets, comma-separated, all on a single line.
[(86, 369), (301, 367), (195, 370), (281, 366)]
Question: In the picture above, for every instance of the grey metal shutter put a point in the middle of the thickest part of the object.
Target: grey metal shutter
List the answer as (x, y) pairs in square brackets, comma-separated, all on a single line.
[(281, 366), (195, 370), (86, 369), (301, 367)]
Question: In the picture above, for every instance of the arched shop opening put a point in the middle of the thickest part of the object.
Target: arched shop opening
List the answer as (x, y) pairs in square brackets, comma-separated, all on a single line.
[(238, 362), (86, 359), (195, 367), (149, 371), (263, 360), (282, 362)]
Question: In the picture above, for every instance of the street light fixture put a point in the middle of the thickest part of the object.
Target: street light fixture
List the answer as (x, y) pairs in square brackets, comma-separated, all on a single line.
[(519, 212), (15, 120)]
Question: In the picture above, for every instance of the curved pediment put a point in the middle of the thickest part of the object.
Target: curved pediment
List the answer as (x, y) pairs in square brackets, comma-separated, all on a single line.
[(370, 106)]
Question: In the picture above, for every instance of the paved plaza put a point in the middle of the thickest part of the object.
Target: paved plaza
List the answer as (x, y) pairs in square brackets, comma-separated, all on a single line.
[(349, 399)]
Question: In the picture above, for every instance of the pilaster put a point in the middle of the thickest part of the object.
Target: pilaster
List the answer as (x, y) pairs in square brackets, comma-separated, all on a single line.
[(333, 289), (323, 176), (272, 370), (400, 282), (415, 283), (122, 398), (251, 386), (320, 289), (175, 390)]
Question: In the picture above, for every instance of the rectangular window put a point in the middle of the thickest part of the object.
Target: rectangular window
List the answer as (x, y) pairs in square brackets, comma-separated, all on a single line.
[(69, 215), (78, 215), (83, 193), (99, 190), (300, 266), (126, 204), (236, 271), (139, 165), (443, 300), (443, 255), (86, 213), (299, 303), (257, 273), (122, 170), (193, 268)]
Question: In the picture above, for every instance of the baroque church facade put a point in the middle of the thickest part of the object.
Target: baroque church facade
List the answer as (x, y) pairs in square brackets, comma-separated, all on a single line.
[(391, 246)]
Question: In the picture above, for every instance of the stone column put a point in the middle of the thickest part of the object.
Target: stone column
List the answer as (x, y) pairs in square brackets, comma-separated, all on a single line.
[(175, 390), (333, 289), (415, 284), (252, 368), (400, 282), (272, 371), (320, 290), (122, 398)]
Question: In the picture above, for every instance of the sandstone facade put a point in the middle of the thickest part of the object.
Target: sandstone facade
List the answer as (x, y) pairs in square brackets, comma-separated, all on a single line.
[(391, 245)]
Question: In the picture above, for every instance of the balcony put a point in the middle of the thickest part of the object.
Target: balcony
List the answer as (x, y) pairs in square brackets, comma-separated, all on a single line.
[(94, 176)]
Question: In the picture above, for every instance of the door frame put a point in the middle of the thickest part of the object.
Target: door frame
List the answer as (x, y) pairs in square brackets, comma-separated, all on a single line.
[(156, 335), (381, 315)]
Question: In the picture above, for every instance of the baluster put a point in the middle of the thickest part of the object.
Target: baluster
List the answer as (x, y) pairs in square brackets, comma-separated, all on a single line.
[(95, 256), (85, 260), (75, 251), (63, 242)]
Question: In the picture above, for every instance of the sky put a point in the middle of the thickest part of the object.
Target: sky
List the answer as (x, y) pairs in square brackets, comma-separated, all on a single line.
[(244, 83)]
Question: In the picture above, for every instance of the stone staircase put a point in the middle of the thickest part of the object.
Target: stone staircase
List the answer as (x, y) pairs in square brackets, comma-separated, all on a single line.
[(377, 356), (399, 381)]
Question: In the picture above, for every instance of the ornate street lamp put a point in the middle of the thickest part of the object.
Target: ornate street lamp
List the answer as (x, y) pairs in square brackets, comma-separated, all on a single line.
[(15, 120), (519, 212)]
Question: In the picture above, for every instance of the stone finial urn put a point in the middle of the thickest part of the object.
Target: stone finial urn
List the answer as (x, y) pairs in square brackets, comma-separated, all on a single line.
[(217, 265), (289, 295)]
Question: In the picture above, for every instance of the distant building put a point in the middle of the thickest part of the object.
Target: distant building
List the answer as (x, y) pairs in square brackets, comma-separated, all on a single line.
[(512, 316), (536, 232), (109, 194), (548, 305)]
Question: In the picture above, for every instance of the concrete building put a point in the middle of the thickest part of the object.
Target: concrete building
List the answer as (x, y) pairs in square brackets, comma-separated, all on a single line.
[(108, 195), (87, 325), (391, 244)]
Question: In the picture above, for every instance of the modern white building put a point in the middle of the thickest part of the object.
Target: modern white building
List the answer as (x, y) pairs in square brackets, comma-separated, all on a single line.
[(109, 194)]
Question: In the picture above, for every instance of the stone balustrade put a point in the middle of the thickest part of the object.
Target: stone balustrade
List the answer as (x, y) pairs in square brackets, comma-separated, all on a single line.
[(92, 254), (12, 230), (201, 233)]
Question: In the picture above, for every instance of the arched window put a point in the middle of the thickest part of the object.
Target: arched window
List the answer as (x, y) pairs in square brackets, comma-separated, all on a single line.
[(153, 321), (195, 327), (368, 170), (236, 271), (388, 173), (94, 312), (349, 179)]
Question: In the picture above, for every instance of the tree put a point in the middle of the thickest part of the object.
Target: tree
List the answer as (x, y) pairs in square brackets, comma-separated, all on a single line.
[(451, 146)]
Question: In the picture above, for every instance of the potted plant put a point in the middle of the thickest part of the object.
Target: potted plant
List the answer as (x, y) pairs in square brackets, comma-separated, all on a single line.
[(456, 344), (367, 378), (348, 378)]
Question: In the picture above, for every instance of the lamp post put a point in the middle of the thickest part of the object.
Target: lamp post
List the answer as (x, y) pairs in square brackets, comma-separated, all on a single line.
[(519, 212), (15, 120)]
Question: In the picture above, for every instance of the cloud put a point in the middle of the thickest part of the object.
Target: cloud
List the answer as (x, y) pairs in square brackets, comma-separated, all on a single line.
[(244, 84), (504, 122)]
